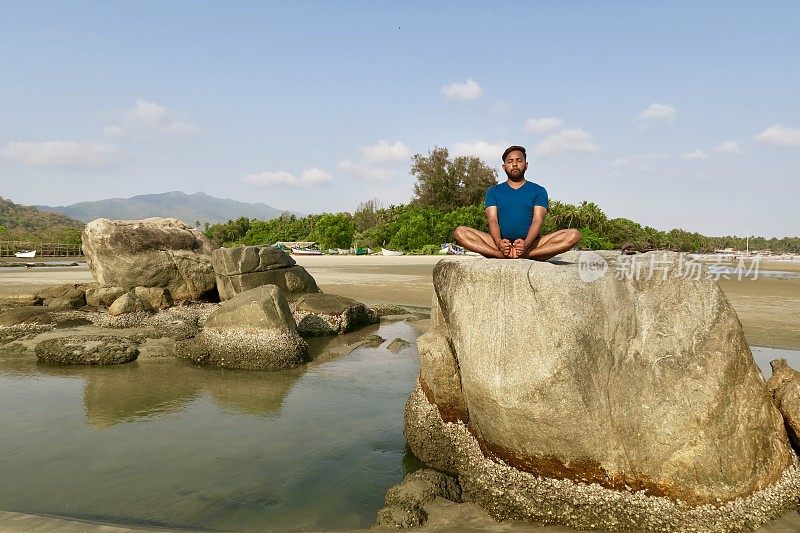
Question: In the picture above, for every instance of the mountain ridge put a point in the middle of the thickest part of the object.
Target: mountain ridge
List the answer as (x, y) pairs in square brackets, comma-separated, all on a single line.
[(191, 208)]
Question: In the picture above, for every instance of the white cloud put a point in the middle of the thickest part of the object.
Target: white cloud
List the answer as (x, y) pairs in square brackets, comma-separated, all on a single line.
[(566, 140), (315, 176), (378, 162), (500, 108), (543, 125), (148, 119), (60, 154), (469, 90), (486, 151), (309, 178), (695, 155), (656, 113), (383, 152), (364, 170), (729, 147), (780, 135)]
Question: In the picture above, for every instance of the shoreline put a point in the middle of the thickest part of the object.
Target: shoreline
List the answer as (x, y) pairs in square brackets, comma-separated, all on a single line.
[(768, 307)]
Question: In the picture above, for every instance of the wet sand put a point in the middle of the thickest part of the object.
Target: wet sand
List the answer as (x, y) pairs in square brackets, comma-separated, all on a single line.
[(768, 307)]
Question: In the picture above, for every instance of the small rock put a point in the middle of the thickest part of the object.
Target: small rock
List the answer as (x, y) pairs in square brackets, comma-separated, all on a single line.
[(129, 303), (157, 297), (87, 350), (401, 517), (103, 296), (330, 314), (372, 341), (398, 344)]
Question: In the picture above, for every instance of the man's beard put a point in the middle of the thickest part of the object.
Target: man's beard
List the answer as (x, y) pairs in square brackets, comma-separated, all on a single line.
[(519, 176)]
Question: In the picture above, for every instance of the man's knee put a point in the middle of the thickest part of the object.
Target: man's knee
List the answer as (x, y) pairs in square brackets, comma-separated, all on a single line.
[(573, 236), (460, 233)]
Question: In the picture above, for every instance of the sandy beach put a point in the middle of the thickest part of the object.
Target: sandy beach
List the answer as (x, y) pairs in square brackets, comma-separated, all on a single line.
[(768, 307)]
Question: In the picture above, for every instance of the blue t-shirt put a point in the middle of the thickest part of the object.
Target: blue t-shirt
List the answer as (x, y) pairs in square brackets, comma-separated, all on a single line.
[(515, 207)]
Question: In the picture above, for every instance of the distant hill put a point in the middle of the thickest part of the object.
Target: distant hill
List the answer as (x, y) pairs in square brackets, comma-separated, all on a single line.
[(187, 207), (21, 222)]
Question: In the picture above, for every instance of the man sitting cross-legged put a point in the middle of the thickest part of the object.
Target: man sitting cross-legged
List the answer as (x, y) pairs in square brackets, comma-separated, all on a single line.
[(515, 210)]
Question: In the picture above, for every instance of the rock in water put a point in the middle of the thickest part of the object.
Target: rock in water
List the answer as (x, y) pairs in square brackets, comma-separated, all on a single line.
[(784, 385), (330, 314), (154, 252), (254, 330), (247, 267), (87, 350), (589, 403)]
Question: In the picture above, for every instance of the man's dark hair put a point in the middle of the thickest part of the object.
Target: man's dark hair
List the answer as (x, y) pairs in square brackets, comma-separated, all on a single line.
[(515, 149)]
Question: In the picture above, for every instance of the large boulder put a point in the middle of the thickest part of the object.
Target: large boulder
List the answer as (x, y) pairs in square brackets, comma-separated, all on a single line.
[(784, 385), (330, 314), (154, 252), (247, 267), (545, 388), (254, 330)]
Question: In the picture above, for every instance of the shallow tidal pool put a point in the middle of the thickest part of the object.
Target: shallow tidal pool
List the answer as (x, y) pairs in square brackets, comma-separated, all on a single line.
[(163, 442)]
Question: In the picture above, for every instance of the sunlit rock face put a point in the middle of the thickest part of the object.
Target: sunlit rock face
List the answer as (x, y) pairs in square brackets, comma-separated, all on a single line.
[(641, 386), (255, 330), (153, 252), (247, 267)]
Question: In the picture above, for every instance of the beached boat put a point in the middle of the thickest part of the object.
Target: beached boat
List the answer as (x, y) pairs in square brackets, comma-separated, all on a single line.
[(384, 251), (26, 255), (343, 251), (306, 251), (449, 248), (363, 251)]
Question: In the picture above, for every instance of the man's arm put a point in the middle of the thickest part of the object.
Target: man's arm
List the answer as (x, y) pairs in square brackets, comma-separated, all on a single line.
[(533, 232), (504, 245)]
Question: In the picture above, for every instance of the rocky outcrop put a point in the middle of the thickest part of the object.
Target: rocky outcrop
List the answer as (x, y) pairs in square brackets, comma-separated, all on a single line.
[(154, 252), (784, 386), (330, 314), (619, 389), (69, 296), (87, 350), (405, 502), (103, 296), (247, 267), (254, 330), (130, 302)]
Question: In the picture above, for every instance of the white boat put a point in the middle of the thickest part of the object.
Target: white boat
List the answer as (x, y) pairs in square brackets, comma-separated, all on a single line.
[(306, 251), (27, 255), (449, 248), (343, 251), (384, 251)]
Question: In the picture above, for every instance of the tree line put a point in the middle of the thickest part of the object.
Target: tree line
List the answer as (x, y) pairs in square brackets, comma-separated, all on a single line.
[(449, 192)]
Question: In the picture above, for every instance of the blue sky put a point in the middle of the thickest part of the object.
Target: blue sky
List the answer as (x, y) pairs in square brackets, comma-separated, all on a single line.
[(675, 115)]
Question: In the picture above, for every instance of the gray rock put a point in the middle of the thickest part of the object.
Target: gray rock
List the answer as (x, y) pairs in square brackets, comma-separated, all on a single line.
[(405, 501), (157, 297), (628, 384), (154, 252), (330, 314), (69, 296), (128, 303), (254, 330), (398, 345), (401, 517), (87, 350), (247, 259), (372, 341), (247, 267), (103, 296), (784, 386)]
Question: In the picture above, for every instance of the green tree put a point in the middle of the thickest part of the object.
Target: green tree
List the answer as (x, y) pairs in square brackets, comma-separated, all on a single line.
[(334, 231), (445, 184), (367, 214)]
